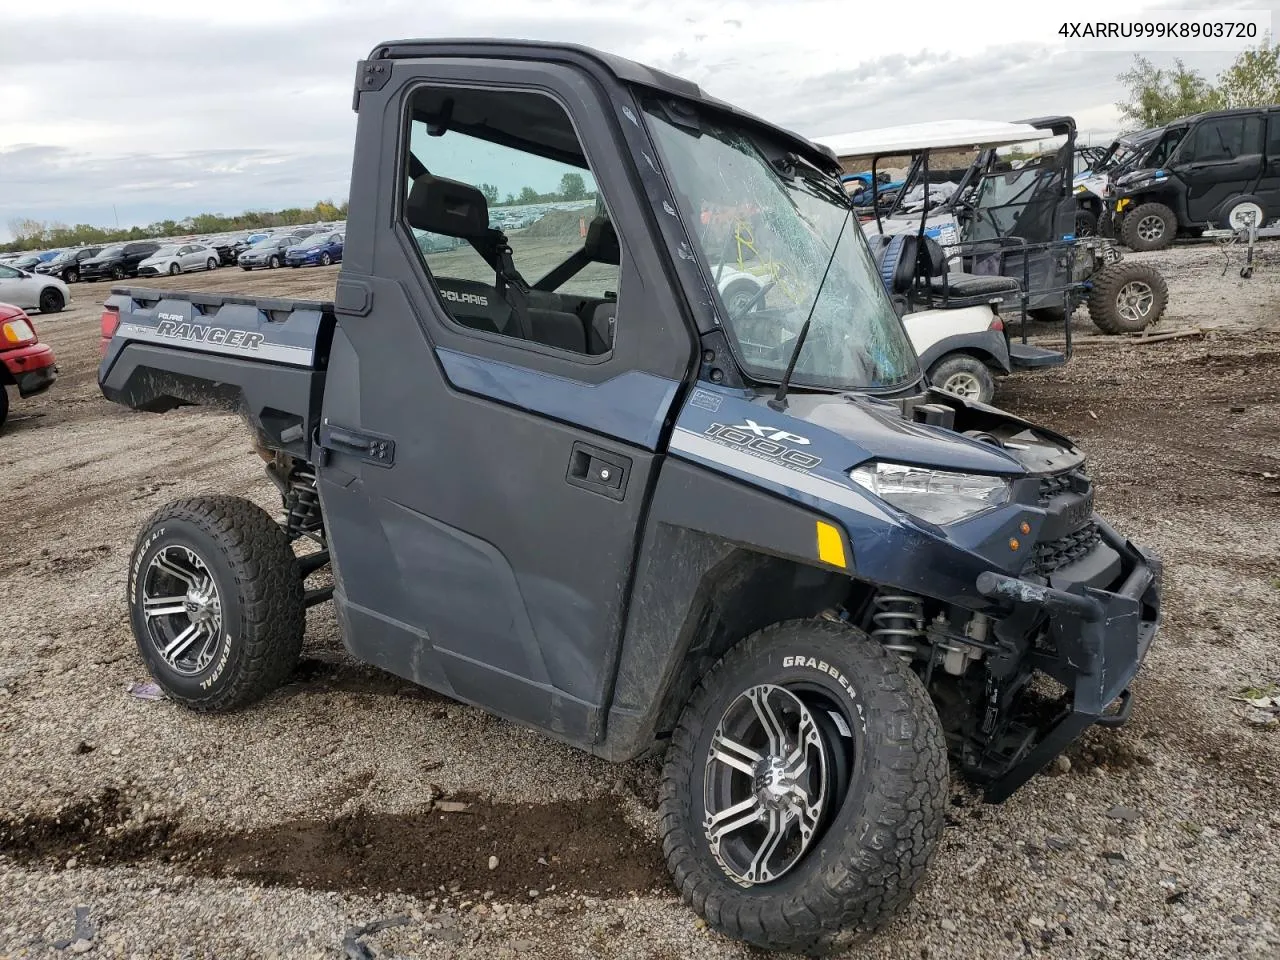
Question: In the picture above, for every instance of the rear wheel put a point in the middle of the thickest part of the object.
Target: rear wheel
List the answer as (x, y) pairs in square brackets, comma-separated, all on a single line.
[(804, 788), (1150, 226), (965, 376), (216, 602), (1127, 297), (1086, 223), (51, 300)]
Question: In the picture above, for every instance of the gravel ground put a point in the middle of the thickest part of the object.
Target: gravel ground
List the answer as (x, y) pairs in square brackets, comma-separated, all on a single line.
[(350, 798)]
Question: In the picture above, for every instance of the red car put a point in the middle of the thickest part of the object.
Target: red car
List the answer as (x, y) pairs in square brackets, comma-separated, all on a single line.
[(25, 362)]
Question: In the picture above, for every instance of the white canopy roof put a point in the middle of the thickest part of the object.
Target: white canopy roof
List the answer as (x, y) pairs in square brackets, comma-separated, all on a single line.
[(934, 135)]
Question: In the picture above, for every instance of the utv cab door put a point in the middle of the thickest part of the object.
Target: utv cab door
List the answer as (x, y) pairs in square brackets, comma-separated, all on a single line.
[(493, 418), (1219, 159)]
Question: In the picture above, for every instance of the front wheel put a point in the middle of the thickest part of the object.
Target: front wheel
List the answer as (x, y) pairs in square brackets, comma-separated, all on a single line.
[(273, 263), (1127, 297), (1151, 226), (117, 273), (1086, 223), (211, 264), (216, 602), (325, 259), (73, 276), (804, 788), (965, 376), (174, 269)]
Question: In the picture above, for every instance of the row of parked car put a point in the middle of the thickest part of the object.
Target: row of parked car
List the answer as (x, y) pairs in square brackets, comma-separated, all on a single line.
[(295, 247)]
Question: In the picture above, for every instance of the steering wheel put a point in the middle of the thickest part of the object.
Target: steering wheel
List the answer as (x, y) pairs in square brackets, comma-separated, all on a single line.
[(750, 304)]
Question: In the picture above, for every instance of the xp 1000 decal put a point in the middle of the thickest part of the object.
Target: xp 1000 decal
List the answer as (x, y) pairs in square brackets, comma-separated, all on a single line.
[(777, 446)]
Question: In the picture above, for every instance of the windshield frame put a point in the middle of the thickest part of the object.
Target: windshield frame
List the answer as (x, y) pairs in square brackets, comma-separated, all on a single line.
[(771, 151)]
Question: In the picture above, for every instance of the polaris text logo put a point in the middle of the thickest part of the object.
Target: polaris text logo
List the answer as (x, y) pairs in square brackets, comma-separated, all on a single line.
[(766, 443), (221, 336), (475, 298)]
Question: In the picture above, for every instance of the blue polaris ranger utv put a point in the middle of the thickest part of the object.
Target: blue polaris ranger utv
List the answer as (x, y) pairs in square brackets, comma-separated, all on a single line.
[(557, 476)]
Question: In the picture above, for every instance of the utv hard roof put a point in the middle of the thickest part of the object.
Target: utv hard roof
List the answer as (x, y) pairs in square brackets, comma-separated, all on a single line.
[(614, 66), (942, 135)]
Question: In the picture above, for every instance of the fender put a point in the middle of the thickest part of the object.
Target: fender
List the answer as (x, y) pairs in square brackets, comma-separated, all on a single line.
[(989, 346)]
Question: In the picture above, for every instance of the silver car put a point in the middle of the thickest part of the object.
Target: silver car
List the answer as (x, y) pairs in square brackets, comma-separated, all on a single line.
[(32, 291), (179, 258)]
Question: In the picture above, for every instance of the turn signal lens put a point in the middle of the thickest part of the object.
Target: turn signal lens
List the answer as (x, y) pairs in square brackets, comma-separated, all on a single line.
[(1013, 543), (1025, 528), (17, 332)]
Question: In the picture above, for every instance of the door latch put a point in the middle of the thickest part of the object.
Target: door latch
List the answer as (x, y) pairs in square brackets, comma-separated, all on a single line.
[(379, 451), (599, 471)]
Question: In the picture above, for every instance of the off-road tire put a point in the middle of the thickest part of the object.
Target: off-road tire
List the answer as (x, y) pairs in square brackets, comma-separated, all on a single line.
[(961, 364), (260, 587), (1129, 227), (1104, 309), (1086, 223), (878, 846)]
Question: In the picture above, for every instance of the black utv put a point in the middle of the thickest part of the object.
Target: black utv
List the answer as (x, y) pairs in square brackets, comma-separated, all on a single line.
[(556, 475), (1212, 170)]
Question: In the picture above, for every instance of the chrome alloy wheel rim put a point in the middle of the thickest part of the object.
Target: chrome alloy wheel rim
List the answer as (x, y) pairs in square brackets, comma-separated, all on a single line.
[(767, 785), (1134, 300), (182, 609)]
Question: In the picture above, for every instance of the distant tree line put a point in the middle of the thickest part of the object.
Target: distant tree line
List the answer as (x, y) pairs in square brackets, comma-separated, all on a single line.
[(572, 187), (1159, 95), (42, 235)]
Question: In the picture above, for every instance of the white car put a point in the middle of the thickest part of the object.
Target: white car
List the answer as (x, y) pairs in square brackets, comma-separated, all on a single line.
[(32, 291), (177, 259)]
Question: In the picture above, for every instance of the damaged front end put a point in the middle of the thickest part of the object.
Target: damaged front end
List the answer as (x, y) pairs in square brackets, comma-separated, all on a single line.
[(1044, 649)]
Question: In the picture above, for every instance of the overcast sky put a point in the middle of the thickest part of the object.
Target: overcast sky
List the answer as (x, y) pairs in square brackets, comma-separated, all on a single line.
[(149, 109)]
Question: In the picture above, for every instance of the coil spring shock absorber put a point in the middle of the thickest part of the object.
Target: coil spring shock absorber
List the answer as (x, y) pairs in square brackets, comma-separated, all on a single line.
[(302, 503), (899, 623)]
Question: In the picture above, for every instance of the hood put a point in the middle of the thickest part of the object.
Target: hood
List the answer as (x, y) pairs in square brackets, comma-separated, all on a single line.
[(984, 439), (157, 258), (1140, 175)]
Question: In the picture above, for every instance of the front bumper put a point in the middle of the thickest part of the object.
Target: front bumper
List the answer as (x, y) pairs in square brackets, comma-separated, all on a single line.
[(1098, 640), (32, 368)]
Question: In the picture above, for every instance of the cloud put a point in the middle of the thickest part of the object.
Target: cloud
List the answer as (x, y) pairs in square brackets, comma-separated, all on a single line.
[(176, 109)]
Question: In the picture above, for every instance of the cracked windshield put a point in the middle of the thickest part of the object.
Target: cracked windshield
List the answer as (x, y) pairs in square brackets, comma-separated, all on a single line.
[(768, 237)]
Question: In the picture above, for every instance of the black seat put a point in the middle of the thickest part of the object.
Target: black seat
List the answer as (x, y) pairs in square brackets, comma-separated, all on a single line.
[(455, 209), (973, 285)]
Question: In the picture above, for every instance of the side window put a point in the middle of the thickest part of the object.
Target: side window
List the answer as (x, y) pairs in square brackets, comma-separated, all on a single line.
[(8, 273), (1273, 135), (508, 220), (1224, 139)]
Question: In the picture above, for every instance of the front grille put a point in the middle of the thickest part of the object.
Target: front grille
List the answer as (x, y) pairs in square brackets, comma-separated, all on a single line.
[(147, 271), (1073, 480), (1053, 555)]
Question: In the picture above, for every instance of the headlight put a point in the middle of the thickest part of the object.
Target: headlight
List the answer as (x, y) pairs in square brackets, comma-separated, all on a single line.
[(936, 496), (1081, 188)]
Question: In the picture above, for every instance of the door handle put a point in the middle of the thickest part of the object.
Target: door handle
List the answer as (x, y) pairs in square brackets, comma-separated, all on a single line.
[(600, 471)]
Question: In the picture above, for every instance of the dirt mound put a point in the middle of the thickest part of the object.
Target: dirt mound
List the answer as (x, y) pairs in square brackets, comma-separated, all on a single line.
[(560, 224)]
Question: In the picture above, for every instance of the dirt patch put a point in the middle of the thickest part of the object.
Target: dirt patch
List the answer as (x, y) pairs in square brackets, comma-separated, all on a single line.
[(584, 847)]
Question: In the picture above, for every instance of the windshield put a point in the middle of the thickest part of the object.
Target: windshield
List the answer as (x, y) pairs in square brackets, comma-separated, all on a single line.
[(112, 252), (165, 252), (319, 240), (267, 244), (779, 250), (29, 260)]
